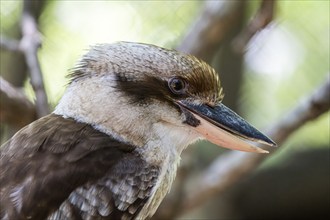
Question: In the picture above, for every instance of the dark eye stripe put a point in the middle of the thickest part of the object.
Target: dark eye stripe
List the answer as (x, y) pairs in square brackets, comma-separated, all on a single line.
[(149, 87)]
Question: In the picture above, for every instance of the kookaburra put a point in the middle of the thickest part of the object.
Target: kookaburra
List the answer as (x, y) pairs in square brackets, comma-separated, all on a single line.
[(111, 148)]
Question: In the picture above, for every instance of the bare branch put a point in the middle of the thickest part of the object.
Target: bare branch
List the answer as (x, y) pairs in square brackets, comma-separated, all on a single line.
[(15, 108), (9, 44), (228, 169), (308, 109), (262, 18), (210, 28), (29, 45)]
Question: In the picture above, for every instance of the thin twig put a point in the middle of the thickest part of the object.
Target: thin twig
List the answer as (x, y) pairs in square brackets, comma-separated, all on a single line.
[(262, 18), (29, 45), (228, 169)]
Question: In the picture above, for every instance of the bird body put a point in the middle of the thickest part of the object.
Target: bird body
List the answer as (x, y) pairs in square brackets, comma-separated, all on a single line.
[(72, 159), (111, 148)]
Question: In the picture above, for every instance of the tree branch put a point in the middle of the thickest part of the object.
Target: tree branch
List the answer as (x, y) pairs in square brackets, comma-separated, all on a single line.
[(29, 45), (210, 28), (15, 108), (228, 169), (262, 18)]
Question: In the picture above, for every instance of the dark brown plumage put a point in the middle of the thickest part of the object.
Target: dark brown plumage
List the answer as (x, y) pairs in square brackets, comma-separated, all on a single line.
[(64, 159)]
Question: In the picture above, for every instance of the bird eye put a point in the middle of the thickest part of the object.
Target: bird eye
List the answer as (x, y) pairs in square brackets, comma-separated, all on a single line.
[(177, 85)]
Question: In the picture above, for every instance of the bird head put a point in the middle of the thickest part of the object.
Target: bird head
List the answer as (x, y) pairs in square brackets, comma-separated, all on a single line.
[(142, 94)]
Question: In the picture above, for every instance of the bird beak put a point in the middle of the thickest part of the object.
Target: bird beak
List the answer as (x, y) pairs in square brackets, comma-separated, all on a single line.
[(222, 126)]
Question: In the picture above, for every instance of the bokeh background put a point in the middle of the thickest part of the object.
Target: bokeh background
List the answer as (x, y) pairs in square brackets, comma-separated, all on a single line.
[(281, 64)]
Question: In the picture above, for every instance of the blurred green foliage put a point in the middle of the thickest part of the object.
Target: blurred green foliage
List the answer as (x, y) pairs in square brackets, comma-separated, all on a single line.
[(300, 30), (70, 27)]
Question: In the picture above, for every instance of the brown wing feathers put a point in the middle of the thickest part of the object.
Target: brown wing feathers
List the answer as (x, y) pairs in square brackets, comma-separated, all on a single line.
[(73, 166)]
